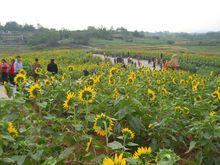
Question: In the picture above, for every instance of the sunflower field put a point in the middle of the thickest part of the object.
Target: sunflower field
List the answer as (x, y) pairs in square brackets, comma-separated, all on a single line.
[(113, 116)]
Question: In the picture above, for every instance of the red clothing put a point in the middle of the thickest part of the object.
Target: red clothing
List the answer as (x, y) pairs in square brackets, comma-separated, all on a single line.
[(4, 67), (11, 68)]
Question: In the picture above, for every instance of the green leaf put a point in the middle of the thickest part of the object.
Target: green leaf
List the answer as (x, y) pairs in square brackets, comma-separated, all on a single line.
[(123, 112), (132, 161), (37, 155), (22, 130), (191, 146), (78, 127), (1, 151), (42, 105), (131, 144), (115, 145), (19, 159), (136, 124), (64, 154)]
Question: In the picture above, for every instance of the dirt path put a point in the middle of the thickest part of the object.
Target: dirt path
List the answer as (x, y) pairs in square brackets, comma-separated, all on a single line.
[(143, 62), (2, 93)]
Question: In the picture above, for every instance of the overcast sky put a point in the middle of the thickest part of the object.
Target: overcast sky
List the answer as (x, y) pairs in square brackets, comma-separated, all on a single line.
[(146, 15)]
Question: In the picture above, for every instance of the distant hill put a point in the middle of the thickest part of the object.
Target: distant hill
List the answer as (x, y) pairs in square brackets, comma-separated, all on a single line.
[(13, 34)]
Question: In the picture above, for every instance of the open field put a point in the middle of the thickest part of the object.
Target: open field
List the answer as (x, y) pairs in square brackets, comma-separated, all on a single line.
[(143, 115)]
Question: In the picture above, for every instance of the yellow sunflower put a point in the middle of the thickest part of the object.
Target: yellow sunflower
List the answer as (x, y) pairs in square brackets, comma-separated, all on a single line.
[(132, 75), (164, 91), (128, 134), (69, 97), (216, 94), (195, 86), (86, 95), (142, 153), (38, 70), (116, 94), (151, 94), (113, 70), (129, 81), (111, 80), (20, 79), (47, 82), (212, 114), (102, 124), (118, 160), (33, 91), (12, 130), (182, 82), (91, 81)]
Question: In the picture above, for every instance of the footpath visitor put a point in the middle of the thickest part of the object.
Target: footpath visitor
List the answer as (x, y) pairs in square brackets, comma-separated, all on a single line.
[(174, 62), (161, 61), (35, 66), (17, 65), (11, 72), (52, 67), (85, 72), (4, 67)]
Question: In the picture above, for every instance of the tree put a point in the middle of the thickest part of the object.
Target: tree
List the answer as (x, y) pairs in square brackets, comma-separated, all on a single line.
[(12, 26)]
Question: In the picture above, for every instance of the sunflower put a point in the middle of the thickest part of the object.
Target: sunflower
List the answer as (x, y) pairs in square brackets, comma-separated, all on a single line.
[(151, 94), (174, 80), (88, 144), (86, 95), (150, 125), (33, 91), (102, 124), (91, 81), (22, 71), (197, 98), (182, 82), (116, 94), (63, 76), (185, 110), (111, 81), (47, 82), (129, 81), (12, 130), (212, 114), (127, 133), (118, 160), (38, 70), (132, 75), (70, 67), (113, 70), (164, 91), (67, 102), (142, 153), (158, 81), (216, 94), (195, 86), (20, 79)]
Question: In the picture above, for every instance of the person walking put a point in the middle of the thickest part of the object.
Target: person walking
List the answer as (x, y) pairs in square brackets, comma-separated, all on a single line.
[(11, 72), (161, 61), (52, 67), (4, 70), (35, 66), (174, 62), (17, 65)]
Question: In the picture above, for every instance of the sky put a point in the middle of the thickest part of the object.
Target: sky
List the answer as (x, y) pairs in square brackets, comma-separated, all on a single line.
[(141, 15)]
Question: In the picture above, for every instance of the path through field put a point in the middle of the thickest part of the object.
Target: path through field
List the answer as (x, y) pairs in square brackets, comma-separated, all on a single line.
[(143, 62), (2, 93)]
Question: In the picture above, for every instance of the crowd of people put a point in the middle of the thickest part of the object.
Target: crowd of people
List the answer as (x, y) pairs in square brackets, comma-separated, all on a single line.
[(10, 70), (160, 62)]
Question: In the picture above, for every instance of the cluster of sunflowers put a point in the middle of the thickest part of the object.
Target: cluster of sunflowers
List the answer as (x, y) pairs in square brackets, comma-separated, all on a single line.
[(116, 115)]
